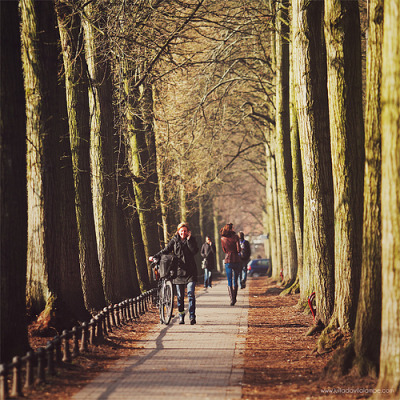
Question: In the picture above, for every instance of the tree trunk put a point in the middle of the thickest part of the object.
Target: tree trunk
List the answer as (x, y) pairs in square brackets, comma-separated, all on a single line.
[(37, 269), (277, 268), (282, 143), (53, 265), (78, 118), (367, 333), (269, 227), (143, 175), (13, 203), (217, 240), (389, 374), (298, 190), (342, 36), (104, 187), (313, 118)]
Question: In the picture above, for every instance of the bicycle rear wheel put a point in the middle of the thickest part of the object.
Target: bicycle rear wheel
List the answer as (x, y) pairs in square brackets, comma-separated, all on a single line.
[(166, 302)]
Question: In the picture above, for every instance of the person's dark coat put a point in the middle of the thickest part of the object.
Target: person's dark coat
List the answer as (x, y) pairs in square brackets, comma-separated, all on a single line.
[(208, 253), (185, 250), (231, 247)]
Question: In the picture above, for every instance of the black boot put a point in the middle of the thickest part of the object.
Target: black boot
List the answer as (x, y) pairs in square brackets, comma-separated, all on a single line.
[(234, 294), (181, 319), (230, 291)]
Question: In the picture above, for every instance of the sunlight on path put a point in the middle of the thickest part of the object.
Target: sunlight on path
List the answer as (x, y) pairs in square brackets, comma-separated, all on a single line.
[(203, 361)]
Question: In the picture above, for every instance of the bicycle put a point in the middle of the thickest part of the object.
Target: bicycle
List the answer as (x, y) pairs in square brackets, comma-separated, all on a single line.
[(164, 272)]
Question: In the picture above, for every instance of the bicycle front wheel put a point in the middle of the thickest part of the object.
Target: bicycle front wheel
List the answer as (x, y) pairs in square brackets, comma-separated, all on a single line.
[(167, 302)]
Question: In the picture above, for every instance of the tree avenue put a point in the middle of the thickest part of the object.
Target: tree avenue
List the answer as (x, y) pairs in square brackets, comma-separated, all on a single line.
[(139, 115)]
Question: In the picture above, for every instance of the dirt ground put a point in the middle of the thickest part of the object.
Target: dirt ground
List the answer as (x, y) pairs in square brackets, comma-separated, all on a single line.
[(279, 358), (280, 362)]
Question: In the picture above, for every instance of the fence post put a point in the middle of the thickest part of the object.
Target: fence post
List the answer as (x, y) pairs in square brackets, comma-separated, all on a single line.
[(137, 307), (75, 343), (67, 354), (105, 321), (141, 304), (116, 310), (146, 308), (134, 308), (16, 380), (30, 357), (84, 337), (111, 311), (108, 318), (57, 345), (126, 317), (99, 324), (128, 309), (92, 331), (3, 382), (40, 365), (50, 358)]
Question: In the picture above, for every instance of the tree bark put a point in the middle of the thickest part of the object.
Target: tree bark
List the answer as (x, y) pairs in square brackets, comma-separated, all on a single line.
[(389, 374), (298, 190), (37, 269), (313, 118), (367, 333), (104, 188), (342, 36), (13, 202), (144, 177), (282, 144), (269, 227), (277, 268), (53, 264), (78, 118)]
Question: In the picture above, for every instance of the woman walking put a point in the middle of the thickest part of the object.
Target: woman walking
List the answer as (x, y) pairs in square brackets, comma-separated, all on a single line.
[(184, 246), (231, 247), (208, 254)]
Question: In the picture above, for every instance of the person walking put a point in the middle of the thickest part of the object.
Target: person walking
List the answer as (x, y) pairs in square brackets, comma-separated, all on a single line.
[(184, 246), (208, 254), (231, 248), (245, 253)]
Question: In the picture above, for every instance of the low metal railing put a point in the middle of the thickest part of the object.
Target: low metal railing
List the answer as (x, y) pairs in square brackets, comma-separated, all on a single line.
[(29, 370)]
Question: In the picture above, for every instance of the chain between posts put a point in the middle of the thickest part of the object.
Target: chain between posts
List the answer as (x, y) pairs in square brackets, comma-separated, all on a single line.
[(45, 361)]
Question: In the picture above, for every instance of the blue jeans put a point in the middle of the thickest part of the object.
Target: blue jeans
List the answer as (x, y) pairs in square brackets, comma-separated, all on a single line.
[(207, 278), (243, 274), (180, 294), (233, 271)]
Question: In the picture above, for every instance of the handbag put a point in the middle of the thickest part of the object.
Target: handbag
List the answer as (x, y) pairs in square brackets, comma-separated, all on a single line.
[(204, 264)]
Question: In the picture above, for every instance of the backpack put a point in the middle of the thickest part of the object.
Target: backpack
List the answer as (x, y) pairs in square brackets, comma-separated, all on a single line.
[(245, 250)]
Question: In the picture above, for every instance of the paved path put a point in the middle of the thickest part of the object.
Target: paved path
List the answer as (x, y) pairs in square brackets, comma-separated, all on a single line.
[(202, 361)]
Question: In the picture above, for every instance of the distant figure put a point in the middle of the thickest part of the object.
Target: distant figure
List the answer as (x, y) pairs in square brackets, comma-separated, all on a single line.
[(245, 253), (231, 247), (184, 246), (208, 254)]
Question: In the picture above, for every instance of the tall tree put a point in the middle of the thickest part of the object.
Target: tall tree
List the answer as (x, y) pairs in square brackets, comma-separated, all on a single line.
[(389, 373), (53, 265), (78, 118), (104, 189), (13, 202), (282, 142), (367, 333), (141, 167), (343, 44), (313, 118), (37, 268)]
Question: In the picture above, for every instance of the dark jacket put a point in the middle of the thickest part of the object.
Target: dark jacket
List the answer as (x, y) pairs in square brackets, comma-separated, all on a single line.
[(185, 250), (245, 251), (208, 253), (231, 247)]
